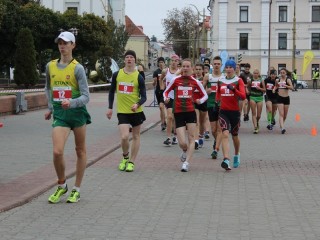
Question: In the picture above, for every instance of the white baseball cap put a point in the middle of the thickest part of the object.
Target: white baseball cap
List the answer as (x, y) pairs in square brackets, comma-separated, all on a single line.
[(66, 36)]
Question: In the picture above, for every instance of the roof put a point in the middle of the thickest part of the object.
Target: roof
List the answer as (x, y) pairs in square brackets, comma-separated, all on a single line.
[(133, 29)]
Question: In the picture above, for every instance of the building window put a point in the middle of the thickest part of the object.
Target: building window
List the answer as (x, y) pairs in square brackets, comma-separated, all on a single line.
[(315, 41), (283, 14), (74, 9), (243, 41), (280, 66), (315, 13), (282, 41), (244, 13)]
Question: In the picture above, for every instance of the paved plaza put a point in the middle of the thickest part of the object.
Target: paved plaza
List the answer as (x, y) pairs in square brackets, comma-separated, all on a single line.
[(274, 194)]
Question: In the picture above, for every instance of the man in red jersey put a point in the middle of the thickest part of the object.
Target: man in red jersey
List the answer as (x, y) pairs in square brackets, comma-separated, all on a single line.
[(184, 110), (230, 89)]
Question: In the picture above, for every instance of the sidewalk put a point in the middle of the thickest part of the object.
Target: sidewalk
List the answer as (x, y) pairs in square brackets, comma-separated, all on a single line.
[(275, 194), (26, 149)]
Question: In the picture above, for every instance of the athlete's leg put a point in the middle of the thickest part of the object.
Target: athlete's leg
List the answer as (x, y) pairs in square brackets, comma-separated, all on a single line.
[(169, 122), (135, 146), (59, 138), (124, 135), (80, 142), (253, 107), (281, 114)]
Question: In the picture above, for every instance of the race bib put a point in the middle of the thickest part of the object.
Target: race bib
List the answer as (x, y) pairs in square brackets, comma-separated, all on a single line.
[(214, 87), (126, 88), (184, 92), (282, 85), (255, 84), (61, 93), (269, 86)]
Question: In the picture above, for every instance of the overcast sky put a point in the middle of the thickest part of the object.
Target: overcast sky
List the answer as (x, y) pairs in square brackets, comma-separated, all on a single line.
[(149, 13)]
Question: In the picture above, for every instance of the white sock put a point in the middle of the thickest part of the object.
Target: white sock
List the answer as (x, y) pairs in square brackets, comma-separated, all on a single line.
[(76, 188), (64, 185)]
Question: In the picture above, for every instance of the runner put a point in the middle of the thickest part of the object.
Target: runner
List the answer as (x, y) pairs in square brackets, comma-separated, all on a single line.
[(184, 110), (283, 85), (210, 82), (201, 110), (230, 88), (169, 74), (256, 88), (271, 98), (68, 93), (246, 75), (130, 90), (159, 93)]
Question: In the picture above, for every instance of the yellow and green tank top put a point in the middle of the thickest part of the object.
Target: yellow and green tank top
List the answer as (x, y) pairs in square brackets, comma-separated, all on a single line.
[(63, 82), (127, 91)]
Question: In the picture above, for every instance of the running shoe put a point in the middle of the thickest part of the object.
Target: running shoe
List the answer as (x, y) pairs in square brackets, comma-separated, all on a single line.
[(207, 135), (163, 127), (214, 154), (130, 167), (74, 196), (255, 131), (283, 131), (236, 161), (174, 141), (196, 145), (273, 122), (167, 142), (270, 126), (226, 164), (123, 164), (185, 166), (183, 156), (55, 198), (246, 118), (201, 142)]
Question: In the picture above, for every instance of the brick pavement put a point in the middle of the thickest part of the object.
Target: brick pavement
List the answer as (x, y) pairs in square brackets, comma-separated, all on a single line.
[(275, 194)]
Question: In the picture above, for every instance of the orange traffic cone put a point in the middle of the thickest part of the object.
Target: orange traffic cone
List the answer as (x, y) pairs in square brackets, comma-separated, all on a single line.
[(297, 117), (314, 131)]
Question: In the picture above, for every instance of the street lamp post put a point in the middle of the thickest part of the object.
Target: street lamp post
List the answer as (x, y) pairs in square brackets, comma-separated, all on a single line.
[(197, 37), (294, 37)]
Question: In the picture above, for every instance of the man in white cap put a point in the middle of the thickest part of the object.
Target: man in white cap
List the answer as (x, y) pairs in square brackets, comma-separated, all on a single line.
[(68, 93)]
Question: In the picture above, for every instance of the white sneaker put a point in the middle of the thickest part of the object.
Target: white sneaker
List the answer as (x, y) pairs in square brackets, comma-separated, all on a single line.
[(174, 140), (183, 156), (185, 166)]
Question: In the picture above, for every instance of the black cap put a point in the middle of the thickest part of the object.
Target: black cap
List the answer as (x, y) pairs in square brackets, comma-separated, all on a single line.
[(132, 53), (160, 59)]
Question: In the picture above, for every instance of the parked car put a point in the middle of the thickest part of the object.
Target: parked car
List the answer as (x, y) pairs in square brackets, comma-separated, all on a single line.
[(302, 84)]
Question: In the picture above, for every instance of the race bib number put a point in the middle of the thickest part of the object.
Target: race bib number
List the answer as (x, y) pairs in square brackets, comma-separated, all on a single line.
[(126, 88), (184, 92), (269, 86), (61, 93), (282, 85), (226, 91), (255, 84), (214, 87)]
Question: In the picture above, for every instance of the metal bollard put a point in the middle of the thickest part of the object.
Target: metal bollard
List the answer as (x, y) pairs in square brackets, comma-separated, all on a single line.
[(21, 103)]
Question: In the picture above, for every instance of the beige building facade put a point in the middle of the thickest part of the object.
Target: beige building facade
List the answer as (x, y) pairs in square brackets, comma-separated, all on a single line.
[(264, 33)]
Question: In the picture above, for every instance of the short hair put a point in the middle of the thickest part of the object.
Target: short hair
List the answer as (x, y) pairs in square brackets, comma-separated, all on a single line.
[(217, 58), (200, 65), (207, 59), (247, 65)]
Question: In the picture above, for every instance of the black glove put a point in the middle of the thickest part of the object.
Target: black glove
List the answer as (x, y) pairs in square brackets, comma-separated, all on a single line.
[(230, 87)]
